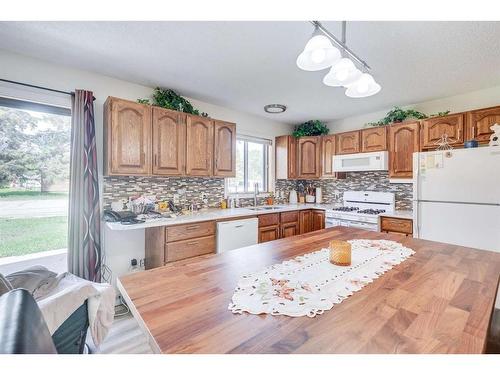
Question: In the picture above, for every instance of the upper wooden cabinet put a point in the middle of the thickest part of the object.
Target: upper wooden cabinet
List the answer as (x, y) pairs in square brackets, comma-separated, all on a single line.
[(199, 146), (403, 142), (285, 157), (374, 139), (348, 143), (169, 142), (327, 153), (224, 149), (309, 157), (433, 129), (479, 122), (127, 131)]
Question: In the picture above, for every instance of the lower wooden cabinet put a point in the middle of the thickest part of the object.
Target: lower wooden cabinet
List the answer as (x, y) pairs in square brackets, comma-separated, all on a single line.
[(289, 229), (269, 233), (318, 220), (169, 244), (305, 221), (396, 225)]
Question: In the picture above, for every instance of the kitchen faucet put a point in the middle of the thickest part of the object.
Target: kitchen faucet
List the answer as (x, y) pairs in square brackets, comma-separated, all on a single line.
[(255, 192)]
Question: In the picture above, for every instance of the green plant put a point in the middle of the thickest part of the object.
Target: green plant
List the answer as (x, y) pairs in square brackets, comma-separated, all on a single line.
[(398, 115), (439, 114), (167, 98), (311, 127)]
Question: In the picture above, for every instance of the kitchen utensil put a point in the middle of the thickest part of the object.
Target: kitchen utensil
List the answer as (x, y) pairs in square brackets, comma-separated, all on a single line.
[(292, 199)]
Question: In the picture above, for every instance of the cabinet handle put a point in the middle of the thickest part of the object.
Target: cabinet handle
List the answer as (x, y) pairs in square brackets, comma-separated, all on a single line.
[(459, 133), (192, 227), (156, 160), (473, 132), (192, 243)]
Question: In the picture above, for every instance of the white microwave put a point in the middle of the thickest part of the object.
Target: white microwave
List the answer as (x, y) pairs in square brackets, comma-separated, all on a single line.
[(368, 161)]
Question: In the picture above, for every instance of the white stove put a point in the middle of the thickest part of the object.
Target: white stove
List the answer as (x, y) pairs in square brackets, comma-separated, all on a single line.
[(361, 209)]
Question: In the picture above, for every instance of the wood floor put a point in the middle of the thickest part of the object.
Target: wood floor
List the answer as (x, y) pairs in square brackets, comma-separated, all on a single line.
[(125, 337)]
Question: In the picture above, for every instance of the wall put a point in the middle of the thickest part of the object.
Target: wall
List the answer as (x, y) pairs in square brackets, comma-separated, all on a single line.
[(333, 189), (476, 99)]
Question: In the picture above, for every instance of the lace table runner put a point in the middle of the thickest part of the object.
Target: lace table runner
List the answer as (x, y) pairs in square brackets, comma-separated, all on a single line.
[(310, 284)]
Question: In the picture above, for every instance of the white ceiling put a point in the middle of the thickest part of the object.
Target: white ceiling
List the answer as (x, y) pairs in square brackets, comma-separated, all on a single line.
[(245, 65)]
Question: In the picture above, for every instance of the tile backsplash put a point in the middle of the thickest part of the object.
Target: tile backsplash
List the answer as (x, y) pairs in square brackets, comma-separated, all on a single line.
[(190, 189), (332, 189)]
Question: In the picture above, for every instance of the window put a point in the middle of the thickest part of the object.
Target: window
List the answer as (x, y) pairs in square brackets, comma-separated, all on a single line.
[(34, 177), (252, 166)]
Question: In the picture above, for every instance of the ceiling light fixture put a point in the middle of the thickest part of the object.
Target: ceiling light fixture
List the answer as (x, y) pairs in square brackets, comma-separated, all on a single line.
[(319, 53), (275, 108)]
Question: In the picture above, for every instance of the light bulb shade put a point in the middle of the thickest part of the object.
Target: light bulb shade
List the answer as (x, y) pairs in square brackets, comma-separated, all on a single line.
[(318, 54), (363, 87), (342, 73)]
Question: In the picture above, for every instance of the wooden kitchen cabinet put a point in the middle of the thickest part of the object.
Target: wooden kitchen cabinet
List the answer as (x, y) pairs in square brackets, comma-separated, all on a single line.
[(169, 142), (479, 121), (269, 233), (127, 132), (309, 157), (289, 222), (403, 142), (432, 130), (199, 146), (224, 149), (318, 220), (374, 139), (285, 157), (305, 221), (396, 225), (348, 143), (327, 152)]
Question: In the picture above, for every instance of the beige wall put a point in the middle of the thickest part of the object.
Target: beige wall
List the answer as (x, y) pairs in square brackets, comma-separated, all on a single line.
[(458, 103), (20, 68)]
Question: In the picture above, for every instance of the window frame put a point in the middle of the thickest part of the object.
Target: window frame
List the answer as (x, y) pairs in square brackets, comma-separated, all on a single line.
[(267, 144)]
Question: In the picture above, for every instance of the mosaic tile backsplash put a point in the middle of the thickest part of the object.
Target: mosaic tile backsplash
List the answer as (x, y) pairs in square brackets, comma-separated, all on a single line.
[(189, 189), (332, 189)]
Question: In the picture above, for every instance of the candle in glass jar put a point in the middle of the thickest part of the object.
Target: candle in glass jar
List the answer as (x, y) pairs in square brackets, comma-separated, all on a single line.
[(340, 253)]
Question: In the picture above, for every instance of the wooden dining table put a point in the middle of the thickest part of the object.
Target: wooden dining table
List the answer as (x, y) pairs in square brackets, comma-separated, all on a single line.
[(437, 301)]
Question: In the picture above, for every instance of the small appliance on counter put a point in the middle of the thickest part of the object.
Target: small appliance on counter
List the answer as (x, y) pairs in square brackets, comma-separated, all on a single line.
[(319, 195), (292, 199)]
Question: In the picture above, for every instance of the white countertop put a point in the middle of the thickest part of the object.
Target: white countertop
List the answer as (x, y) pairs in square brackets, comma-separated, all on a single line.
[(216, 214), (400, 214)]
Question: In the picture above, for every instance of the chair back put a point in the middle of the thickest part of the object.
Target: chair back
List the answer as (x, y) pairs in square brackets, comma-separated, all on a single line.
[(22, 327)]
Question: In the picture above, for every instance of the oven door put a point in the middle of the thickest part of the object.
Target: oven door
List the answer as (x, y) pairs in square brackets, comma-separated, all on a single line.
[(331, 222)]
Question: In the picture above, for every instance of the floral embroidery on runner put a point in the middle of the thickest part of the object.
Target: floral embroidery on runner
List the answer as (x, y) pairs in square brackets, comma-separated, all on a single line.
[(309, 284)]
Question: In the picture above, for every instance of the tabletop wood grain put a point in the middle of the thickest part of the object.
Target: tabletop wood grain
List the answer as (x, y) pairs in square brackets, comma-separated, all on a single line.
[(437, 301)]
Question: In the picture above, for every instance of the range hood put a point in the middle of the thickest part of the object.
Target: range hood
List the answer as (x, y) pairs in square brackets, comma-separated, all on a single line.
[(368, 161)]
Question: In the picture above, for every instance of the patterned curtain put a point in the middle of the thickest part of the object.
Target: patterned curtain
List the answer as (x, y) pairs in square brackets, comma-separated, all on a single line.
[(84, 237)]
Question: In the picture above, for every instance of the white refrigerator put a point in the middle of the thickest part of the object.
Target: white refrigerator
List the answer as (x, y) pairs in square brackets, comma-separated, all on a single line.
[(456, 197)]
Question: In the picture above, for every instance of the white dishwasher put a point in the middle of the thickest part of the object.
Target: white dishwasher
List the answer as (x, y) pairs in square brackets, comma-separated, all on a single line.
[(237, 233)]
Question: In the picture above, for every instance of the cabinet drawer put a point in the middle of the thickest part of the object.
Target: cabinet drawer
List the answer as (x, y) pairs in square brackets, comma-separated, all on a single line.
[(186, 231), (269, 219), (289, 217), (189, 248), (396, 225)]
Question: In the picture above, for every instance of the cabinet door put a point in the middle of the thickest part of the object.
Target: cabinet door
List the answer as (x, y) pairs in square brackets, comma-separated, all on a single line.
[(348, 143), (305, 221), (327, 152), (269, 233), (403, 142), (289, 229), (169, 142), (285, 157), (433, 129), (318, 220), (128, 133), (224, 149), (479, 122), (199, 146), (309, 155), (374, 139)]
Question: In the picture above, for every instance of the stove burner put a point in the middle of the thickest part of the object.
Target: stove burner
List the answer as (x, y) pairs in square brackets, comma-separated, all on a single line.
[(346, 209), (371, 211)]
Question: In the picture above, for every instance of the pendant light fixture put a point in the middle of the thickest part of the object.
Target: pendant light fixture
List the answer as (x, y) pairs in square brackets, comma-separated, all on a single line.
[(319, 53)]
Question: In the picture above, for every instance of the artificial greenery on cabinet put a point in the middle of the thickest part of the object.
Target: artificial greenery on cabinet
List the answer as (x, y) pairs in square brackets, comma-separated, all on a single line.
[(169, 99), (310, 128), (397, 114)]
